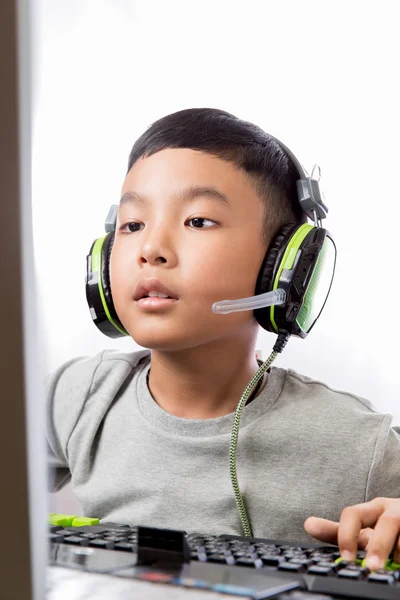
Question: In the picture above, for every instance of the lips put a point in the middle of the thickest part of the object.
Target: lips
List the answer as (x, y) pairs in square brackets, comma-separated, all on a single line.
[(152, 285)]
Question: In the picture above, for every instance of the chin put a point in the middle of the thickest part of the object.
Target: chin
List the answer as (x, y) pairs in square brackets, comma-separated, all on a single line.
[(163, 345), (167, 340), (173, 335)]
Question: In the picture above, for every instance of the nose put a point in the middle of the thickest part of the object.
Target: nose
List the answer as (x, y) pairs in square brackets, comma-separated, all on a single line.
[(157, 248)]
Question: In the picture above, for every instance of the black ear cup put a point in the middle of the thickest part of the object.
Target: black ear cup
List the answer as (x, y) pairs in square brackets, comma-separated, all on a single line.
[(105, 276), (269, 269)]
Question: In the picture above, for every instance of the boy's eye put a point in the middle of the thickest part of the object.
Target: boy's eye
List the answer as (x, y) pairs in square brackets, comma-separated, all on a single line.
[(200, 222), (130, 227)]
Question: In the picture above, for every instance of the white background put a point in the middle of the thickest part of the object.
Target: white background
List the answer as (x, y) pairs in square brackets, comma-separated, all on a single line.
[(320, 76)]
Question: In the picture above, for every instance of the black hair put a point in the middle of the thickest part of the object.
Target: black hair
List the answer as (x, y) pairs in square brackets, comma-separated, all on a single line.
[(240, 142)]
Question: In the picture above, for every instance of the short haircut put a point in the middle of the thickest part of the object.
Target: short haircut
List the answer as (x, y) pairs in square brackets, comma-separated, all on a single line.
[(239, 142)]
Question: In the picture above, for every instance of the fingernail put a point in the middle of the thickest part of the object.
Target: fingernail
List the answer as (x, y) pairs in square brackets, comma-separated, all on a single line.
[(347, 555), (373, 562)]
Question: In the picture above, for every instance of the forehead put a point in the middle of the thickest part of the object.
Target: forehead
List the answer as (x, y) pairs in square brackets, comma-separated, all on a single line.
[(168, 171)]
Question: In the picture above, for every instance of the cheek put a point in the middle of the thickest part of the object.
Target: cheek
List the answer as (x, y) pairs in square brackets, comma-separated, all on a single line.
[(121, 282), (224, 269), (215, 276)]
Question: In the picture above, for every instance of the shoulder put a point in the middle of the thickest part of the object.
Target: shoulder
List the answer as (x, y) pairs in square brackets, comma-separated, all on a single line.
[(75, 382), (338, 414), (347, 425), (77, 377), (310, 389), (344, 431)]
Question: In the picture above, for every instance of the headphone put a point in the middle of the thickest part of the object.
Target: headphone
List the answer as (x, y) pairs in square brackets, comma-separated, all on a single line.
[(300, 260)]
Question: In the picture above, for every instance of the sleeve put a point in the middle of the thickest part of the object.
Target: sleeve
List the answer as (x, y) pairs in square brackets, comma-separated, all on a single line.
[(384, 475), (66, 392)]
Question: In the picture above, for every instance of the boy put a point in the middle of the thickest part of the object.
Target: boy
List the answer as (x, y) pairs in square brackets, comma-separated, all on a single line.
[(144, 436)]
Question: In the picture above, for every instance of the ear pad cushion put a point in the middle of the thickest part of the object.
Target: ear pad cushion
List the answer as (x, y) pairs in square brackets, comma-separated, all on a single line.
[(268, 270), (269, 266), (105, 275)]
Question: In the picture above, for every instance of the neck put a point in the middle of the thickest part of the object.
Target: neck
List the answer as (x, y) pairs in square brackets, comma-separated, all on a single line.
[(203, 382)]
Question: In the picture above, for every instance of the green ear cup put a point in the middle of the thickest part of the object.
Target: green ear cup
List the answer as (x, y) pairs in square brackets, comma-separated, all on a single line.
[(301, 260), (289, 257), (318, 287)]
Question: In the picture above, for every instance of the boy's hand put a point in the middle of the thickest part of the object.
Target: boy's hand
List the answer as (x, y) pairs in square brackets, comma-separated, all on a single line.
[(374, 526)]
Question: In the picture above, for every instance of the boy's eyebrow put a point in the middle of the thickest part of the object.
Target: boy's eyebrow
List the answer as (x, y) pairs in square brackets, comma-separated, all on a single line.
[(189, 193)]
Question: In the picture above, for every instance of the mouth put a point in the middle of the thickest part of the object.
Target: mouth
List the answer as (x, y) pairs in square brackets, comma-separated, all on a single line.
[(151, 293), (155, 302)]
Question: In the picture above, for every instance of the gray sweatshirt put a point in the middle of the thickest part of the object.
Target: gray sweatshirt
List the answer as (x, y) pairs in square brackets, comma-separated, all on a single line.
[(304, 449)]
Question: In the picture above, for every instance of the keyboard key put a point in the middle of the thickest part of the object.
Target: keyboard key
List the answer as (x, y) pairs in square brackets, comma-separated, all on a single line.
[(101, 544), (87, 529), (55, 538), (217, 557), (392, 566), (306, 562), (317, 557), (381, 576), (64, 532), (249, 562), (291, 567), (267, 548), (125, 546), (269, 552), (344, 564), (116, 526), (77, 540), (113, 538), (271, 560), (354, 574), (80, 521), (202, 556), (53, 528), (317, 570), (61, 520), (329, 565)]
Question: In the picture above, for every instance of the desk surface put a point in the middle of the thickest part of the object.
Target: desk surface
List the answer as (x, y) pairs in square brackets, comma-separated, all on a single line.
[(70, 584)]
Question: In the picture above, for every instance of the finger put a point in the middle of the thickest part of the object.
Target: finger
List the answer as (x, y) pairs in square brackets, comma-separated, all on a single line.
[(384, 539), (364, 538), (322, 529), (326, 531), (352, 520)]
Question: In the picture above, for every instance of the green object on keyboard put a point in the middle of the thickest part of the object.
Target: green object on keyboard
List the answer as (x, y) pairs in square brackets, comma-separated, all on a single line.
[(390, 564), (358, 561), (82, 521), (61, 520), (71, 520)]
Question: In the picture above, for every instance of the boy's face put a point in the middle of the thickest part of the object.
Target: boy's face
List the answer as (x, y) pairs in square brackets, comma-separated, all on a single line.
[(202, 248)]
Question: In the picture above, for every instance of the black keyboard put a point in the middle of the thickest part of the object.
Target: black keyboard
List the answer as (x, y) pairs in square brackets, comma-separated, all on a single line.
[(318, 569)]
